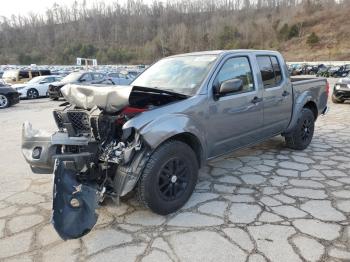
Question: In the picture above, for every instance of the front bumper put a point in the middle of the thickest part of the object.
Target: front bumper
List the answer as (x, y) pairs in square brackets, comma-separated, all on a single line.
[(40, 149), (343, 93)]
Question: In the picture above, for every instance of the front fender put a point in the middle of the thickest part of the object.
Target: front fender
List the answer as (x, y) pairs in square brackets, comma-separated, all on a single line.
[(167, 126)]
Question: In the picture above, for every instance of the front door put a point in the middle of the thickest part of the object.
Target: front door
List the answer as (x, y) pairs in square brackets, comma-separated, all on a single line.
[(236, 118)]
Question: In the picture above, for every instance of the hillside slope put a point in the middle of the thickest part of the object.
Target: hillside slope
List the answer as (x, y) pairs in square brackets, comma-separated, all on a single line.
[(139, 33)]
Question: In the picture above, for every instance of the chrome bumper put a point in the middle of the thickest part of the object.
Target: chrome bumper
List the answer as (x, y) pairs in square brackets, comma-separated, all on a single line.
[(40, 149)]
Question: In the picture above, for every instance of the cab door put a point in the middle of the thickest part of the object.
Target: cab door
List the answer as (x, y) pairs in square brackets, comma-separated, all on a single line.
[(235, 119), (277, 94)]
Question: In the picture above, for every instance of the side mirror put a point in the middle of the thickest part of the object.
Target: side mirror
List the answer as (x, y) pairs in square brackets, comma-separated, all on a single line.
[(229, 86), (42, 82), (82, 80)]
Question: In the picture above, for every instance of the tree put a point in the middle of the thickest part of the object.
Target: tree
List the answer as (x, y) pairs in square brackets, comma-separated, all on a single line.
[(312, 39)]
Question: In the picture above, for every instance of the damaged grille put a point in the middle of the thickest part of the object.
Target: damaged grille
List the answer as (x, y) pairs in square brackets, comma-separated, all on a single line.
[(58, 119), (79, 120)]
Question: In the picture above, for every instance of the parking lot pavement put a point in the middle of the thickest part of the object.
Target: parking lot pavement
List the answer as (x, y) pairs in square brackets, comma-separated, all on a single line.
[(265, 203)]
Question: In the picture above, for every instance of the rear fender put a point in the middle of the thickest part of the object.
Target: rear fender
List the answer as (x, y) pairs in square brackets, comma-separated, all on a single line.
[(299, 104)]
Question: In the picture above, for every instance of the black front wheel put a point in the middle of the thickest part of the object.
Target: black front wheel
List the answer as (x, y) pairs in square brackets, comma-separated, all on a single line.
[(169, 178), (302, 134)]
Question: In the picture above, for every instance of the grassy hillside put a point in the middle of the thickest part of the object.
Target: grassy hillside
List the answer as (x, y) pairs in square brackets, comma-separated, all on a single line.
[(139, 33)]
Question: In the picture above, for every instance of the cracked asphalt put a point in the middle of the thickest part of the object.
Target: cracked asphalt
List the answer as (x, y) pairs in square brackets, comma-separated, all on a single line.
[(264, 203)]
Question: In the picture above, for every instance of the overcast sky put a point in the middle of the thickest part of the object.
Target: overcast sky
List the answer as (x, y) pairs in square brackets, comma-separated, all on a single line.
[(22, 7)]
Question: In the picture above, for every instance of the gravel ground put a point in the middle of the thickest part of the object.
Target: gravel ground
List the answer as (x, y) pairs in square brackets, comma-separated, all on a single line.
[(264, 203)]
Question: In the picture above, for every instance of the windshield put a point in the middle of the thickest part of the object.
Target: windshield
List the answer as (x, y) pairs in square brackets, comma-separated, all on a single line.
[(182, 74), (72, 77), (36, 80)]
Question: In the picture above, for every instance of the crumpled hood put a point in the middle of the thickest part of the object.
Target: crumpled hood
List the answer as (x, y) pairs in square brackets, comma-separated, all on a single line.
[(108, 98)]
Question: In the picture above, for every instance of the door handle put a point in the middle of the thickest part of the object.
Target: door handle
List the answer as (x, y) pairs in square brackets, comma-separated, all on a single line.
[(256, 100), (285, 93)]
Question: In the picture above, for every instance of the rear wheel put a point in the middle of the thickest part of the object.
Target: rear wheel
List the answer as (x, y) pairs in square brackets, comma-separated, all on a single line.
[(32, 93), (169, 178), (301, 136), (336, 100), (4, 101)]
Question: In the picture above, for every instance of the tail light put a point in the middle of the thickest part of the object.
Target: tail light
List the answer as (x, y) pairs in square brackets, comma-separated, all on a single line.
[(327, 88)]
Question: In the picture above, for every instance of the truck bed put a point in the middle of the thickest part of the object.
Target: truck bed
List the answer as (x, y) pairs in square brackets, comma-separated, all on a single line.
[(315, 88)]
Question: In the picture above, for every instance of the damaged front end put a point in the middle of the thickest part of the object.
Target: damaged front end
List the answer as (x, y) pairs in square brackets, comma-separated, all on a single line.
[(91, 157)]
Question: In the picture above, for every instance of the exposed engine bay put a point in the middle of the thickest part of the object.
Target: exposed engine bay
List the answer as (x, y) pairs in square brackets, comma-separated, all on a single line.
[(91, 155)]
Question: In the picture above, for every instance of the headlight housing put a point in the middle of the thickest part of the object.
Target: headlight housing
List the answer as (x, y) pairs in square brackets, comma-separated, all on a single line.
[(337, 87)]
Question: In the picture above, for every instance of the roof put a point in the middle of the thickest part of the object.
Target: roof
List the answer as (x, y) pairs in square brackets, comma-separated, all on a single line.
[(221, 52)]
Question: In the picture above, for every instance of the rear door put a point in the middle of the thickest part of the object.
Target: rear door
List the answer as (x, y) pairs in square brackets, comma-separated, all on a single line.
[(277, 95), (235, 120)]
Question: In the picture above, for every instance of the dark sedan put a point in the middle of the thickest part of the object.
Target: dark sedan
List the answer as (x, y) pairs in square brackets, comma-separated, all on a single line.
[(8, 96)]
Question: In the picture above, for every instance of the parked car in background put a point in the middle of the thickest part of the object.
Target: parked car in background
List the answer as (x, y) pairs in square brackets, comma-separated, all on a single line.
[(341, 90), (37, 87), (15, 76), (81, 77), (8, 96), (153, 135), (339, 71), (323, 71), (122, 78)]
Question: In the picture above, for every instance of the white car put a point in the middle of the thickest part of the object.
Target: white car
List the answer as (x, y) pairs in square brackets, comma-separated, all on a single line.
[(36, 87)]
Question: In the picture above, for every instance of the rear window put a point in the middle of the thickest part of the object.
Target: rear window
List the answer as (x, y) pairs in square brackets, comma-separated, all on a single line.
[(266, 70), (270, 70)]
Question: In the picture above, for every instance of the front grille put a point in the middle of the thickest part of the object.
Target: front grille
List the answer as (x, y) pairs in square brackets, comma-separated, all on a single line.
[(94, 127), (79, 121), (59, 119)]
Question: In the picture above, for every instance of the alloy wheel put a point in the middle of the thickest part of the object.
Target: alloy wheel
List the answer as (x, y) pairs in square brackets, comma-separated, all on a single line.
[(173, 179), (3, 101)]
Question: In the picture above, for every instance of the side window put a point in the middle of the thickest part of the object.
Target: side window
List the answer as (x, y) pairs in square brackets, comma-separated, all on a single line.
[(23, 74), (270, 70), (276, 69), (97, 76), (236, 68), (35, 74), (266, 70), (86, 77)]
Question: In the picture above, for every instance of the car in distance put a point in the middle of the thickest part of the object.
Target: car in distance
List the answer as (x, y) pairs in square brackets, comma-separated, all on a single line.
[(81, 77), (8, 95), (341, 90), (16, 76), (37, 87), (122, 78), (154, 135)]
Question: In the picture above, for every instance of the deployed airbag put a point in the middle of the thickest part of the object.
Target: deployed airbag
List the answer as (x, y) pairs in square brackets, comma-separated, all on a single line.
[(108, 98)]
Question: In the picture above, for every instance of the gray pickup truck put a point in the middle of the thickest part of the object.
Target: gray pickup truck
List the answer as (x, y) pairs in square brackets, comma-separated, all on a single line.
[(152, 137)]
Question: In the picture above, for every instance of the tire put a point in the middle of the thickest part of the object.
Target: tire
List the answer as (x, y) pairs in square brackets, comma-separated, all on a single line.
[(336, 100), (4, 101), (32, 93), (301, 136), (169, 178)]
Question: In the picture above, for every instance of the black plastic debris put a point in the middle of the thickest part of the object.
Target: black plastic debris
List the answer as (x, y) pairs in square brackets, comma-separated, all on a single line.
[(74, 204)]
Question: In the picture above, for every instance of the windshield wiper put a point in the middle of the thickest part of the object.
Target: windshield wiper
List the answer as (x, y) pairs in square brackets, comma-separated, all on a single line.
[(162, 91)]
